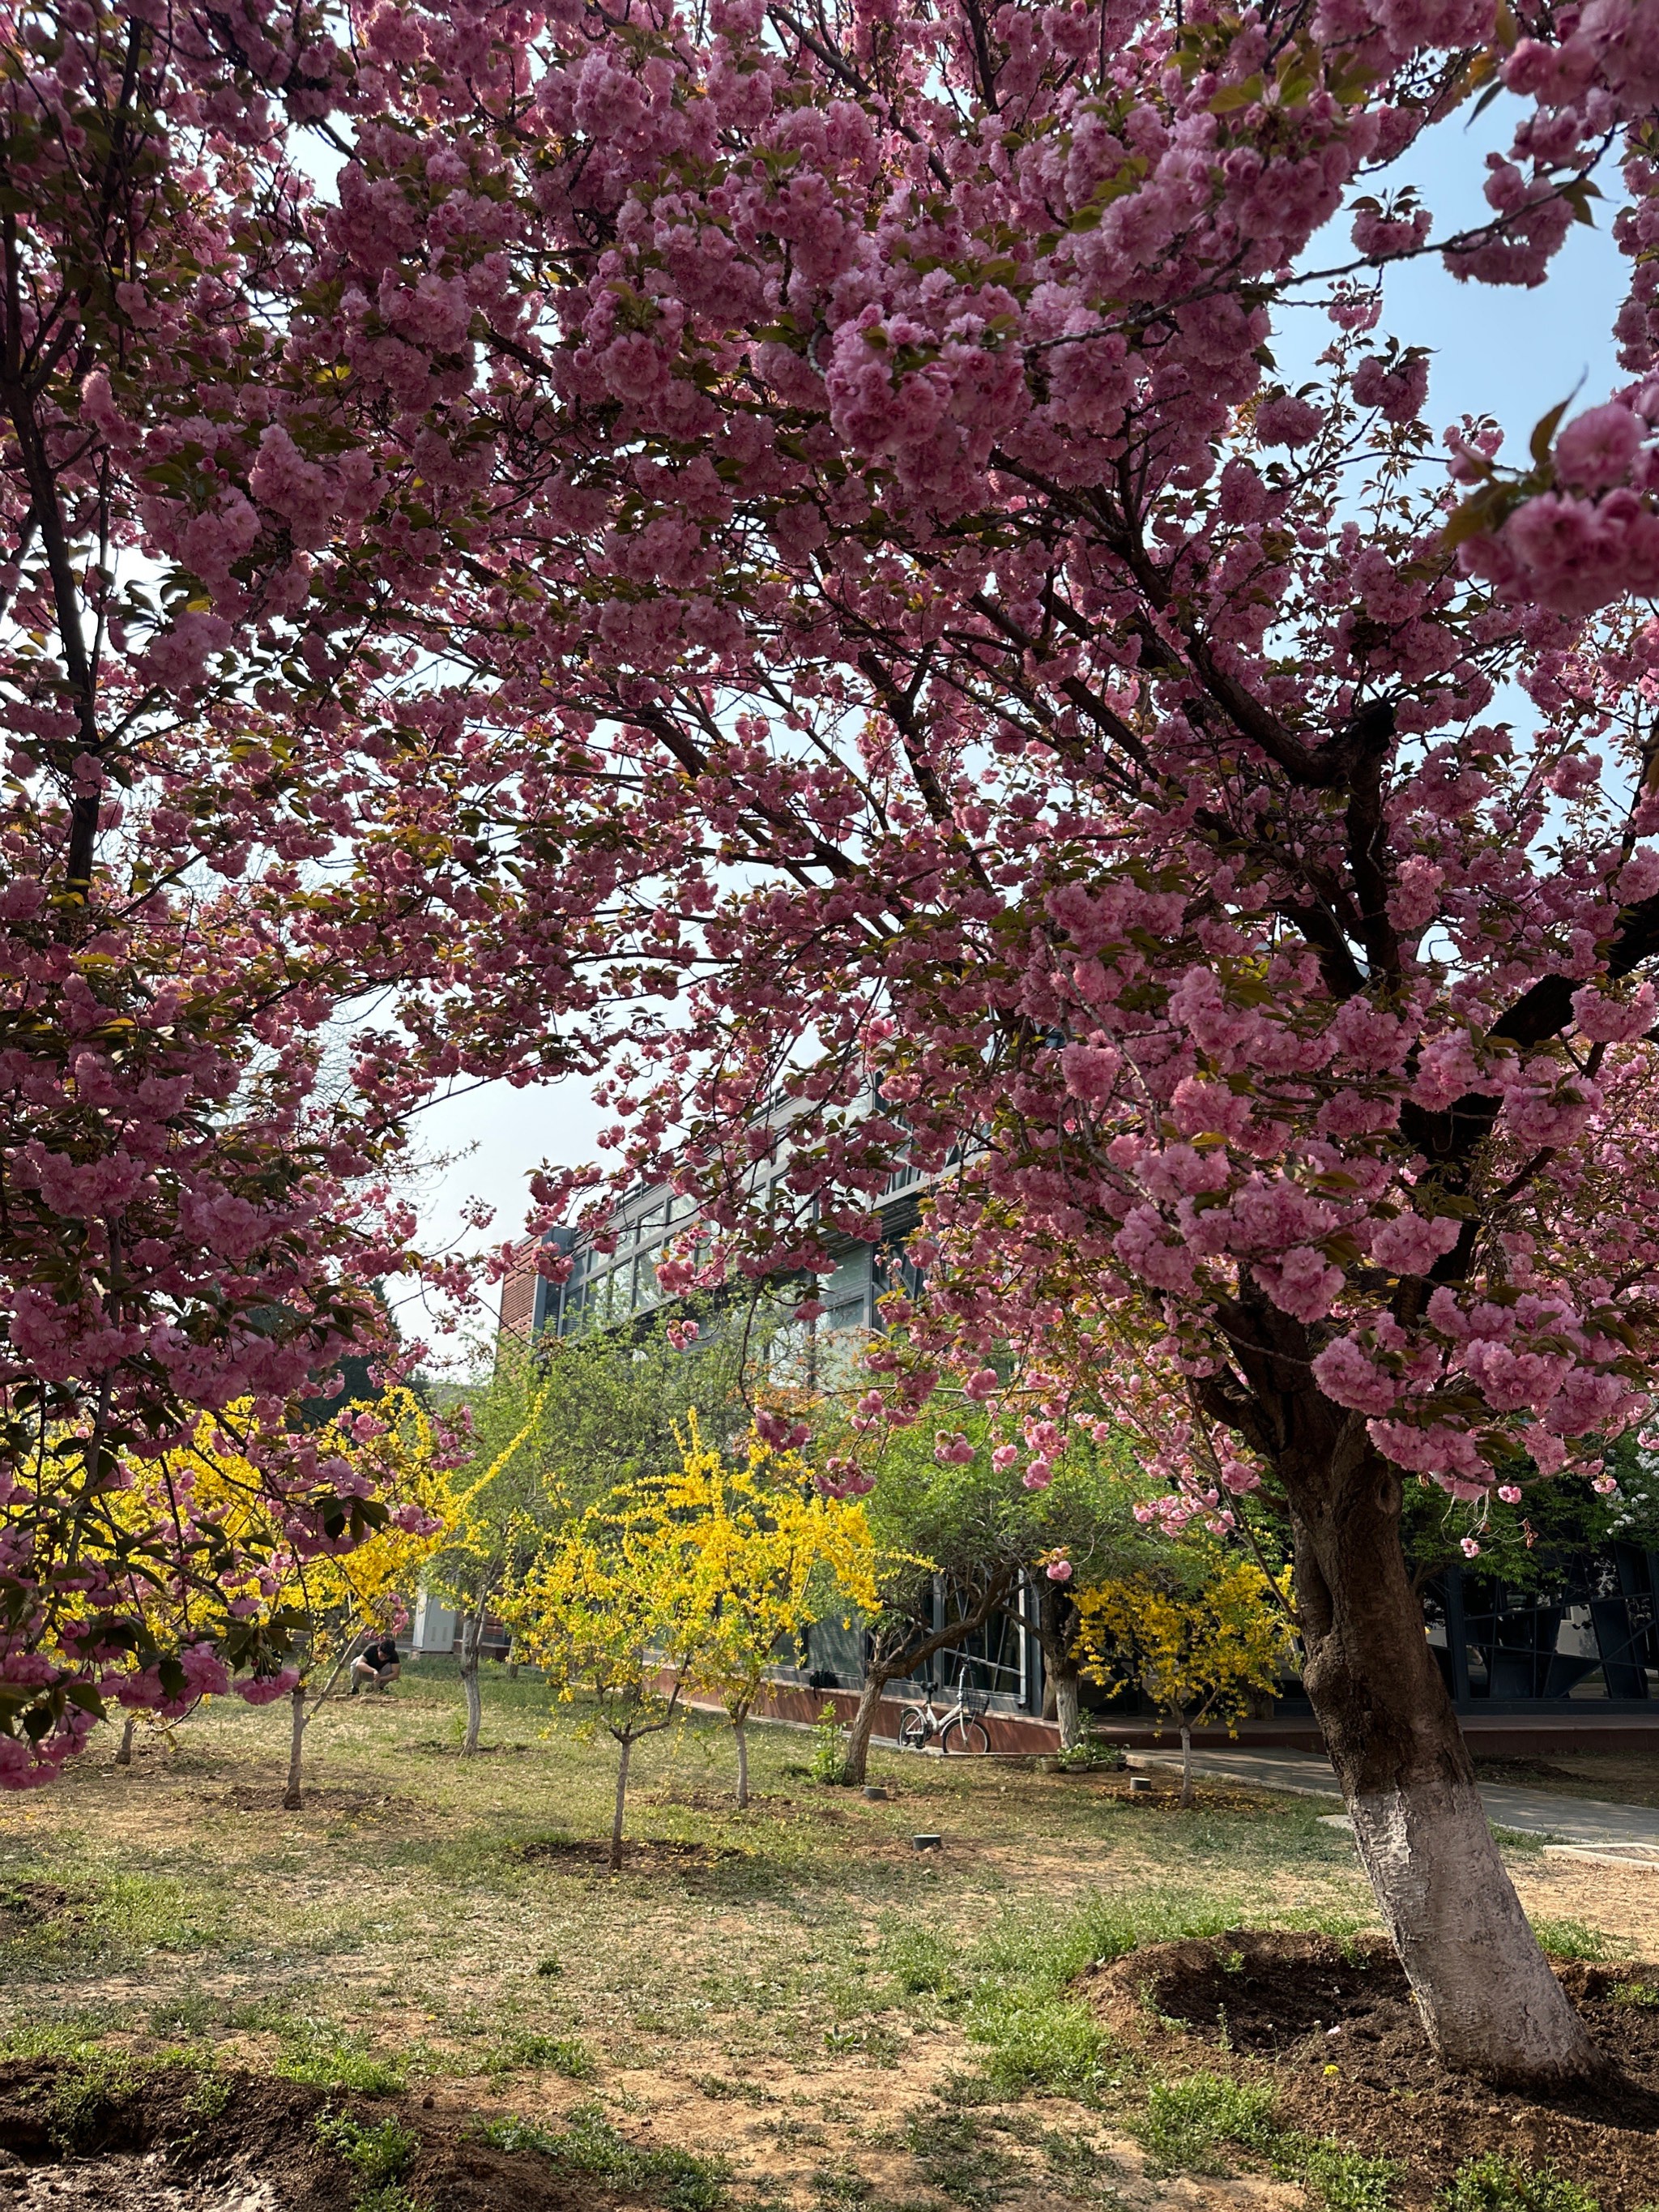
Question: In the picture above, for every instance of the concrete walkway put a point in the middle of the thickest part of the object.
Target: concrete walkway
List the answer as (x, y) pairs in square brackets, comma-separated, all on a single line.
[(1583, 1825)]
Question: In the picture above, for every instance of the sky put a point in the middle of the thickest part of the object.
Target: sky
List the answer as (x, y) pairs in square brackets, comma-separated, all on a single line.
[(1510, 353)]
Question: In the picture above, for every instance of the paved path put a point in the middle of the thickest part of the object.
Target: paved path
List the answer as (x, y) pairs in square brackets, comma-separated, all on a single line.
[(1583, 1824)]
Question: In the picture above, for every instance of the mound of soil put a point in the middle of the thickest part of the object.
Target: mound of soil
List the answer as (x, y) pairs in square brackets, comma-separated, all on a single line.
[(643, 1857), (1334, 2026), (246, 1797), (144, 2145), (41, 1902), (711, 1800)]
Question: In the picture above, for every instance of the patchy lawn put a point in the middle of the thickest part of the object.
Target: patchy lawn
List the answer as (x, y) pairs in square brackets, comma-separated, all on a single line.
[(788, 2007)]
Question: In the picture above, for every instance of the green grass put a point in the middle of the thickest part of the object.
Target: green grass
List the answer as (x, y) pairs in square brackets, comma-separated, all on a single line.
[(1186, 2123), (328, 2057), (1494, 2184), (1343, 2180), (396, 1928), (956, 2154), (555, 2054), (1572, 1939), (378, 2156), (589, 2145), (93, 2085), (81, 1911), (73, 2036), (1023, 2011)]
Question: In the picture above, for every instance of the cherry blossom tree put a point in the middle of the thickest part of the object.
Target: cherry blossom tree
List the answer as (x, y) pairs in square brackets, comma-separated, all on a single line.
[(1001, 733), (765, 551), (201, 868)]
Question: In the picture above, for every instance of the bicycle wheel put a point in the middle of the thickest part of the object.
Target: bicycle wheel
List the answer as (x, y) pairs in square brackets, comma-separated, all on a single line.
[(913, 1730), (965, 1735)]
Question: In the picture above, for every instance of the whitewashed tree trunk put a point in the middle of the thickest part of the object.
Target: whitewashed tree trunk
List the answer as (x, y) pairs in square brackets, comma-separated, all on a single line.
[(472, 1641), (292, 1799), (1485, 1994), (1185, 1761), (1057, 1624), (1484, 1990), (1068, 1712)]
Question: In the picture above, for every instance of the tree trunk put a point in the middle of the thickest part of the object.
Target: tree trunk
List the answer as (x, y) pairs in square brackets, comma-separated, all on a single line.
[(740, 1730), (627, 1744), (471, 1637), (1068, 1710), (864, 1726), (1185, 1761), (1487, 1998), (124, 1757), (291, 1797), (1057, 1623)]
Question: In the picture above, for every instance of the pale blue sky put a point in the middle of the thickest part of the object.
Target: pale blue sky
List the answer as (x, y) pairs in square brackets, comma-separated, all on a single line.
[(1510, 353)]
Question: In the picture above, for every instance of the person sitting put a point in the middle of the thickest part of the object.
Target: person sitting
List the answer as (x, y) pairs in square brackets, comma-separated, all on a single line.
[(376, 1667)]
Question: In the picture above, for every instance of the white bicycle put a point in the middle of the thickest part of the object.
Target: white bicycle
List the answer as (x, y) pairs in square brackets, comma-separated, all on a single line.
[(960, 1728)]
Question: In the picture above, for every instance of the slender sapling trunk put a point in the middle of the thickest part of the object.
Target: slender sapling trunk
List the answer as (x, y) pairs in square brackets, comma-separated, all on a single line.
[(1186, 1760), (740, 1735), (292, 1799), (471, 1640), (627, 1742)]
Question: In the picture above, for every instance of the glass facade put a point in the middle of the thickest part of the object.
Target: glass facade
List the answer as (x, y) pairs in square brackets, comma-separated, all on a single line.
[(1586, 1638)]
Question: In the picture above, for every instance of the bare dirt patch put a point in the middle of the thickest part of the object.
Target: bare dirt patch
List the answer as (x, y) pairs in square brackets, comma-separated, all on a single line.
[(1333, 2027)]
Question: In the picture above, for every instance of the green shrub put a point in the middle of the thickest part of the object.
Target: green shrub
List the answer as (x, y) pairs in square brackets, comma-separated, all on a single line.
[(828, 1760), (1186, 2121), (1091, 1757), (1492, 2183), (591, 2145)]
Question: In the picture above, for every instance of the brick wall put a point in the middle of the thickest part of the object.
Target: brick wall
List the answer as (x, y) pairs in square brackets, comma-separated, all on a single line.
[(519, 1302)]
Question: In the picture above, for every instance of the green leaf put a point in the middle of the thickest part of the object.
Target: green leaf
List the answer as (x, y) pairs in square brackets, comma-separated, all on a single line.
[(1239, 95), (1543, 434)]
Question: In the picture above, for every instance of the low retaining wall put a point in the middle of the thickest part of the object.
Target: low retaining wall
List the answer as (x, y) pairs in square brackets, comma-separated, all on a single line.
[(803, 1708), (1521, 1735)]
